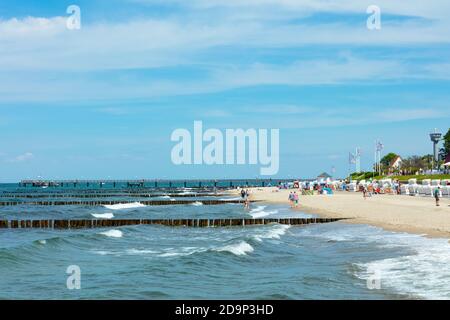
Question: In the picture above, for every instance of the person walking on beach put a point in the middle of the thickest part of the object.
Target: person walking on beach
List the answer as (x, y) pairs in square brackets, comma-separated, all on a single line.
[(291, 199), (437, 193), (243, 193), (247, 199), (295, 199), (364, 190)]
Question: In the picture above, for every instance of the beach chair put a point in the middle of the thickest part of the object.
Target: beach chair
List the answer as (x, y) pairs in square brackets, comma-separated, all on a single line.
[(404, 189), (411, 189), (435, 182), (425, 188), (421, 190), (412, 186), (428, 190)]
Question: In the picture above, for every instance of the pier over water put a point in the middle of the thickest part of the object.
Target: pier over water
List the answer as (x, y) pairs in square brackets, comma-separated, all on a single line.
[(155, 183)]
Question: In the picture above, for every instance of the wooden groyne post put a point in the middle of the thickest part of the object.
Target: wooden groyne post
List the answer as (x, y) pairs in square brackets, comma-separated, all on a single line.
[(197, 223), (113, 202)]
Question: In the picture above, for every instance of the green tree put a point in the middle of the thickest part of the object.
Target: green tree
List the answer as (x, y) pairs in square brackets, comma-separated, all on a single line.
[(447, 143), (386, 160), (427, 161), (413, 164)]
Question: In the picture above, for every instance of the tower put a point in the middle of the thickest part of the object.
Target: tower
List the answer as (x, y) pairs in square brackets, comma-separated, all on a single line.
[(435, 138)]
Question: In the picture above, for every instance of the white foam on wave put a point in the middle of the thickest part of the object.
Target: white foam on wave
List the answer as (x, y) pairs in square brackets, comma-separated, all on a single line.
[(185, 251), (120, 206), (230, 199), (103, 215), (186, 192), (42, 241), (424, 273), (112, 233), (197, 203), (259, 212), (165, 197), (134, 251), (102, 252), (271, 232), (238, 249), (420, 269)]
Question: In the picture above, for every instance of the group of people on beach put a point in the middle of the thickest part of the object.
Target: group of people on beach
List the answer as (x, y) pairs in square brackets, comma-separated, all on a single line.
[(368, 191), (293, 199)]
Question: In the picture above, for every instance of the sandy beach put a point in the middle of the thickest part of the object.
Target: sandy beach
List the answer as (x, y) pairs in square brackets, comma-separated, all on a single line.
[(392, 212)]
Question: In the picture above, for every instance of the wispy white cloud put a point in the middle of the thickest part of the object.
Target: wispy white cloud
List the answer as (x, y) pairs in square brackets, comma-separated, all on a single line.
[(344, 70), (22, 158), (41, 60), (419, 8), (341, 117), (46, 44)]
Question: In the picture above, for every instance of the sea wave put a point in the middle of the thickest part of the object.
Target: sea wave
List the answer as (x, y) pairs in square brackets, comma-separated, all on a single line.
[(272, 232), (424, 274), (197, 203), (259, 212), (120, 206), (239, 249), (134, 251), (103, 215), (112, 233), (230, 199), (417, 266)]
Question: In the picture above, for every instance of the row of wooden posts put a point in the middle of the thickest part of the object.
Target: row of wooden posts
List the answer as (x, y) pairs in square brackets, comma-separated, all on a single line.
[(96, 223), (113, 202), (103, 195)]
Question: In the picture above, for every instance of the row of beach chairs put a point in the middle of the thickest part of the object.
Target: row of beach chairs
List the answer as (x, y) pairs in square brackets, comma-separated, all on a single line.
[(426, 188)]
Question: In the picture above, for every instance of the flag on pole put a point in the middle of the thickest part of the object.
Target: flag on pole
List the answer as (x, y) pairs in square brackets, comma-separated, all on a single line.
[(351, 158), (380, 146)]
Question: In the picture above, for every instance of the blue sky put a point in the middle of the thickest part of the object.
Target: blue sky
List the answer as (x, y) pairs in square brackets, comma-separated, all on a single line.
[(103, 101)]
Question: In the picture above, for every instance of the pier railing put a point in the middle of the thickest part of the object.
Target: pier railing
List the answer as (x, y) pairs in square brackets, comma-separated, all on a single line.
[(156, 183)]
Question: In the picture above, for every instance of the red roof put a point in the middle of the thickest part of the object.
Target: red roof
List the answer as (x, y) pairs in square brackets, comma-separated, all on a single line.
[(394, 160), (447, 159)]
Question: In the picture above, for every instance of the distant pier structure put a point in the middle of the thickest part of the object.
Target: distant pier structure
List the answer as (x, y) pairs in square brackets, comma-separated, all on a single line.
[(154, 183)]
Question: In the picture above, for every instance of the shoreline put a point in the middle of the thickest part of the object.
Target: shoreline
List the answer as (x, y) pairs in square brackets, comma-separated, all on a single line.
[(397, 213)]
